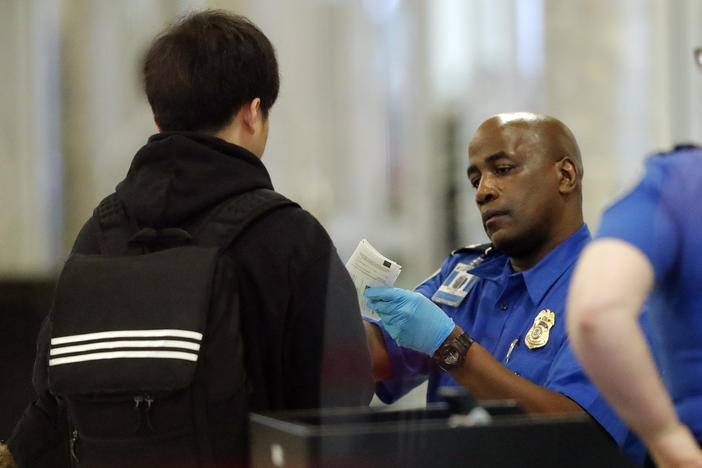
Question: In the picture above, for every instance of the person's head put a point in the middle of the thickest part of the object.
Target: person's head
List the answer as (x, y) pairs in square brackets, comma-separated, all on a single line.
[(527, 172), (201, 73)]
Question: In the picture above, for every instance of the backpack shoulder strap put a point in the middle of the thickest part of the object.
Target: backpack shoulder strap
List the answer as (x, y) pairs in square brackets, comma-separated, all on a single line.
[(114, 226), (231, 217), (219, 229)]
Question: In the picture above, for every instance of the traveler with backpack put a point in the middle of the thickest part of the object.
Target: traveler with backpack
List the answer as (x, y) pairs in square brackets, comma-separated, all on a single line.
[(195, 293)]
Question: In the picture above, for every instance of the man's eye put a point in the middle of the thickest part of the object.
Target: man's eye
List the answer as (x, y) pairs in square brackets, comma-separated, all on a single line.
[(475, 183), (503, 169)]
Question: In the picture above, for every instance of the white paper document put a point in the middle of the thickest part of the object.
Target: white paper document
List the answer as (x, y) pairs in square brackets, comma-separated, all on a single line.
[(369, 268)]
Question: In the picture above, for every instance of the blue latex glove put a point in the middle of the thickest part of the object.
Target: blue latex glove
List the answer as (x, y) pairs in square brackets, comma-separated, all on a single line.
[(411, 319)]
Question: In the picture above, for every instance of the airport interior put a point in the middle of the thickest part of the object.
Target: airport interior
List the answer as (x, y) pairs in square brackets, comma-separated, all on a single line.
[(378, 101)]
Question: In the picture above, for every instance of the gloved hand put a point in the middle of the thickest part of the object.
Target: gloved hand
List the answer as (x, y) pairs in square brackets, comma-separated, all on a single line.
[(411, 319)]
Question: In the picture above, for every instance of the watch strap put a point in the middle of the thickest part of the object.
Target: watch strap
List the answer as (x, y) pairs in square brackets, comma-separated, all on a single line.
[(465, 339), (452, 353)]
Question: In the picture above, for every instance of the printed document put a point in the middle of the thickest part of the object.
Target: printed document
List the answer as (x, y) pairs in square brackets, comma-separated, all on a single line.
[(369, 268)]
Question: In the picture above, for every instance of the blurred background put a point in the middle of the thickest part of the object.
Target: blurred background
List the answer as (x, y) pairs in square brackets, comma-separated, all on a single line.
[(378, 101)]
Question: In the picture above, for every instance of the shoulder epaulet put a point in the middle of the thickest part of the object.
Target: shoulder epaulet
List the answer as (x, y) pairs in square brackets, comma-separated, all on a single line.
[(480, 249), (676, 149), (685, 146)]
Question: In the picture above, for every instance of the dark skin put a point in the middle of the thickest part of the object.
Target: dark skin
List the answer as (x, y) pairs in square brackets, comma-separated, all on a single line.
[(527, 173), (527, 180)]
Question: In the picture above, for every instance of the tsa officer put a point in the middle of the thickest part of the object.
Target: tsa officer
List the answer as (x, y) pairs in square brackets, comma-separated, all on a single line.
[(492, 319)]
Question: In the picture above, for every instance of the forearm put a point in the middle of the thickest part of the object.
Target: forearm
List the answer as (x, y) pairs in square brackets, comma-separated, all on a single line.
[(487, 379), (380, 360), (635, 390), (609, 286)]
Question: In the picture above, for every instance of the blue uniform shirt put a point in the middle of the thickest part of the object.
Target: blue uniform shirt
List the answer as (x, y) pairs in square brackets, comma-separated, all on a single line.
[(498, 312), (662, 217)]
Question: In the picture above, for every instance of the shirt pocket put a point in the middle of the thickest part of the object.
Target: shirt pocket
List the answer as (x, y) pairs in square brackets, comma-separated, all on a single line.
[(532, 364)]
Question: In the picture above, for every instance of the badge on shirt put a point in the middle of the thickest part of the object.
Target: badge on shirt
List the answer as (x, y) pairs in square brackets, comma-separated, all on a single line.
[(538, 335), (456, 286)]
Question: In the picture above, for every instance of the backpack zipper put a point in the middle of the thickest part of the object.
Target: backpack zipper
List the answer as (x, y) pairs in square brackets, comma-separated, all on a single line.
[(73, 443), (147, 412), (143, 403)]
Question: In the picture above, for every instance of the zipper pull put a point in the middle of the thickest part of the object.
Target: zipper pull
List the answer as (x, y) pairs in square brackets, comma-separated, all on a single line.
[(138, 400), (511, 348), (73, 443), (149, 401)]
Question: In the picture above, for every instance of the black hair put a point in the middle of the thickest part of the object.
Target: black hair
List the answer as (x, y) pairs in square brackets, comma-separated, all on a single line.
[(201, 70)]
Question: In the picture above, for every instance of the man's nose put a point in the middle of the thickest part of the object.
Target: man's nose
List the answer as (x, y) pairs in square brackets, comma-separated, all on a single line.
[(487, 190)]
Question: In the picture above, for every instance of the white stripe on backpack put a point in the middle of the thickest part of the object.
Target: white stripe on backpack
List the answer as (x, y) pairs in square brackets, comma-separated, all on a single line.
[(123, 354), (125, 344), (88, 354), (126, 334)]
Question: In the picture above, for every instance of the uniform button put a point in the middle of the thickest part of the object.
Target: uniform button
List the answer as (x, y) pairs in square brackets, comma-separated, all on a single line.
[(504, 306)]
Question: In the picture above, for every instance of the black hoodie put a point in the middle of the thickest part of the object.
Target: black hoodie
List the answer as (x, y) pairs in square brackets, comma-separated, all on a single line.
[(177, 177), (304, 340)]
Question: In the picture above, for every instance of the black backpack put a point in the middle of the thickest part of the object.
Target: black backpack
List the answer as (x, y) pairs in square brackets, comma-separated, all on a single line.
[(146, 352)]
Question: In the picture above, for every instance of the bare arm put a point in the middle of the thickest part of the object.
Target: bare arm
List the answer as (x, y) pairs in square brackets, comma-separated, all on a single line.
[(482, 375), (609, 286), (380, 360), (487, 379)]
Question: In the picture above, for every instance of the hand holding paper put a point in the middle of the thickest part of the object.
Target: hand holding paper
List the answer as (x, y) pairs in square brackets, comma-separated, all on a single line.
[(411, 319), (368, 267)]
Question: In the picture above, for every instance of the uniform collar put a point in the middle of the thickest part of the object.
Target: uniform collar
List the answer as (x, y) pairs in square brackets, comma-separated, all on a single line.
[(544, 274)]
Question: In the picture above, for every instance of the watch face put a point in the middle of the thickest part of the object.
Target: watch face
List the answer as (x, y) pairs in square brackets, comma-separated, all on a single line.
[(451, 356)]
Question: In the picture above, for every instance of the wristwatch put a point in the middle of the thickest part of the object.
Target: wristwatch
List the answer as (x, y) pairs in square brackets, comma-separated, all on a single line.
[(452, 353)]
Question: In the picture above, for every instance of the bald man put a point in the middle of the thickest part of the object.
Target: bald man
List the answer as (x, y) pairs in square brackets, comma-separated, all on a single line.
[(491, 319)]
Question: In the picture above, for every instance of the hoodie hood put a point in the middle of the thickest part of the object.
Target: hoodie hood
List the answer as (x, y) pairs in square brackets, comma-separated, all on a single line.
[(176, 177)]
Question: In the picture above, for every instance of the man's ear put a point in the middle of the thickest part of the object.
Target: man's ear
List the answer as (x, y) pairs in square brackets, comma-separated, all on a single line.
[(568, 173), (252, 114), (156, 124)]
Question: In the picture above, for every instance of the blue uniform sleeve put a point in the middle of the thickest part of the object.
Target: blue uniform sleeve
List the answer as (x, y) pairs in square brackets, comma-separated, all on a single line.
[(409, 368), (643, 219)]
